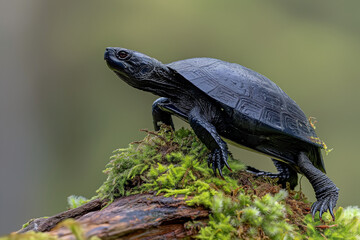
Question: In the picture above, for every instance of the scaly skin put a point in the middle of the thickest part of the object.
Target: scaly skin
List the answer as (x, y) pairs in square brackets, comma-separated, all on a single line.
[(325, 190)]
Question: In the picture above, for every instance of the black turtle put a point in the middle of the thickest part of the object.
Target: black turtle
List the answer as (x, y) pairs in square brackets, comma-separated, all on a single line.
[(224, 99)]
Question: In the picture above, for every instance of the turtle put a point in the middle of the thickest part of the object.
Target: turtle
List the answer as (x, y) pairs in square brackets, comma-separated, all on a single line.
[(226, 102)]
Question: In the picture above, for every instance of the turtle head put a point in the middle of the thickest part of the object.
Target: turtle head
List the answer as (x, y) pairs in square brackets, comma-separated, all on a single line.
[(137, 69)]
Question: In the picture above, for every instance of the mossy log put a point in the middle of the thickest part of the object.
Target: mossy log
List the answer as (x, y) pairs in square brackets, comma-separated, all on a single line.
[(162, 188), (141, 216)]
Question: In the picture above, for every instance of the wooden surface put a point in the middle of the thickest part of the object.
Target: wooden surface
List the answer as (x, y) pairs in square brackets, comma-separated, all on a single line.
[(143, 216)]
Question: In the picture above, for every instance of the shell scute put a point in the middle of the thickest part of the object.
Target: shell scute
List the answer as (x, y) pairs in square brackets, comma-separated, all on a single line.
[(273, 117), (249, 108), (230, 98)]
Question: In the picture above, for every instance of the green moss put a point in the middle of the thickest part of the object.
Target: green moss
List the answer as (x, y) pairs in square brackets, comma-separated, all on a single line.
[(27, 223), (249, 217), (166, 162)]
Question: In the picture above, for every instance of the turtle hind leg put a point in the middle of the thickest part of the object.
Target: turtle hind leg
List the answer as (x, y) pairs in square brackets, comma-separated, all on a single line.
[(325, 190), (285, 174)]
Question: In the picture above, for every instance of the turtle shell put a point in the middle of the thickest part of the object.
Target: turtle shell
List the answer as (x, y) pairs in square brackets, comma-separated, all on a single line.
[(248, 93)]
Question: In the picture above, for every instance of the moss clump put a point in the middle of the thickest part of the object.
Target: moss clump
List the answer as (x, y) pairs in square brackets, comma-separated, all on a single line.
[(165, 162), (249, 217)]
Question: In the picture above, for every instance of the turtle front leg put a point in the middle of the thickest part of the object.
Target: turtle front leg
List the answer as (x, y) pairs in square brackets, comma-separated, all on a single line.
[(207, 133), (162, 109), (160, 116), (325, 190), (285, 173)]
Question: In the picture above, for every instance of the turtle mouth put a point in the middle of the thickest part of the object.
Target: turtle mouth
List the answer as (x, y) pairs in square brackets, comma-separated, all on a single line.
[(115, 66)]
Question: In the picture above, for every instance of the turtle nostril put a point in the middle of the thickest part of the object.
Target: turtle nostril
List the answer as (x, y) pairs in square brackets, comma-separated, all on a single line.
[(107, 54)]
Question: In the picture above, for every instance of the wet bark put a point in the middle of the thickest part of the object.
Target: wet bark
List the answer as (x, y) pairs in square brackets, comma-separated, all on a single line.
[(142, 216)]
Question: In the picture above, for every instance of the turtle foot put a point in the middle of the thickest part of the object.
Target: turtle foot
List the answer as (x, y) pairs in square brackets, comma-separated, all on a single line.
[(217, 159), (325, 203), (283, 176), (257, 172)]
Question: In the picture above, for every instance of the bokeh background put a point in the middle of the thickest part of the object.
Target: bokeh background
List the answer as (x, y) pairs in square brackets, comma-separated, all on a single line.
[(62, 111)]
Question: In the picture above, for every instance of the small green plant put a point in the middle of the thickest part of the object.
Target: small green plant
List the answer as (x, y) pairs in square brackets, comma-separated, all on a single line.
[(76, 201)]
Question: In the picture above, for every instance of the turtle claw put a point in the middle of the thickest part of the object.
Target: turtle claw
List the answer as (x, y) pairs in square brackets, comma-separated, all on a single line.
[(324, 204), (227, 165), (331, 207), (314, 208), (220, 172), (217, 160)]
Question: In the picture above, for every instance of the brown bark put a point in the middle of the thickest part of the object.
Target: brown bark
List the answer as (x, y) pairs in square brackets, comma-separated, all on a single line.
[(142, 216)]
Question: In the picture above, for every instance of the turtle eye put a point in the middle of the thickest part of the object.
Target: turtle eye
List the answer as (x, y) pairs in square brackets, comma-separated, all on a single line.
[(122, 54)]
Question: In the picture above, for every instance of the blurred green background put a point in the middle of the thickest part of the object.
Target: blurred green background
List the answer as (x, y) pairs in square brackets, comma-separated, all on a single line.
[(62, 111)]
